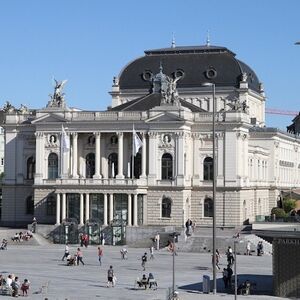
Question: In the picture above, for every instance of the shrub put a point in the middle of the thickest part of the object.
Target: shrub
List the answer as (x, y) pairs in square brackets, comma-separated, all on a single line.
[(288, 205), (278, 212)]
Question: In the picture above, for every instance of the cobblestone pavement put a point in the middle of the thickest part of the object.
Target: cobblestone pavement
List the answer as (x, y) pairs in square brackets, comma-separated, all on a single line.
[(42, 264)]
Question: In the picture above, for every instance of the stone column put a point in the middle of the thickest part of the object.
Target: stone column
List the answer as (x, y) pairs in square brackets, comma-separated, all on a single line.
[(135, 210), (120, 174), (97, 156), (196, 156), (180, 158), (87, 206), (64, 159), (144, 158), (129, 208), (39, 160), (57, 209), (64, 206), (81, 209), (74, 155), (105, 210), (111, 207), (152, 158)]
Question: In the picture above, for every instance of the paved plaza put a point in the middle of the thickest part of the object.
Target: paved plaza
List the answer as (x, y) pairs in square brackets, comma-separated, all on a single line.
[(42, 263)]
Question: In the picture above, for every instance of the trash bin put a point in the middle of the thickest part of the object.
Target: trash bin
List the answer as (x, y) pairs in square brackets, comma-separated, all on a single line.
[(206, 284)]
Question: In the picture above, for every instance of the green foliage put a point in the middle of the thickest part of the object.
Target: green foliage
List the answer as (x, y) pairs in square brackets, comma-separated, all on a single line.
[(278, 212), (288, 205)]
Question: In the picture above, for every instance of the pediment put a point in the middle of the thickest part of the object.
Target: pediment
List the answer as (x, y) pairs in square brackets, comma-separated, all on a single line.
[(165, 118), (49, 118)]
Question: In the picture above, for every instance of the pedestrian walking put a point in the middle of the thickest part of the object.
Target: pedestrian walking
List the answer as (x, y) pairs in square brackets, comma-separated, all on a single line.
[(67, 252), (102, 238), (79, 257), (157, 238), (34, 224), (248, 248), (144, 260), (230, 258), (151, 252), (217, 259), (100, 254), (110, 277)]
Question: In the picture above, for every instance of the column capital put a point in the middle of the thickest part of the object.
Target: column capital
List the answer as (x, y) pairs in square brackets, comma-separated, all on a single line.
[(39, 134), (152, 134), (97, 134), (74, 134), (119, 133)]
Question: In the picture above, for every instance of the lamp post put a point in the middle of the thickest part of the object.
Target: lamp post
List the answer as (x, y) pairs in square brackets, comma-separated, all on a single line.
[(174, 235), (235, 273), (213, 86)]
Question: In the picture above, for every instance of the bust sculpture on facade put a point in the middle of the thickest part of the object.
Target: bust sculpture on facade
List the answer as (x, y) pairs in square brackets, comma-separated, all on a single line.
[(57, 99)]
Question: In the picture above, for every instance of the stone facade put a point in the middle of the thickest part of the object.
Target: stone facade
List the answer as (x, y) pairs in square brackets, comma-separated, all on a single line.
[(63, 163)]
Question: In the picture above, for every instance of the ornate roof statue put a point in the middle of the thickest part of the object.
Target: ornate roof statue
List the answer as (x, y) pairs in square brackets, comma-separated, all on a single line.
[(167, 86), (57, 99), (23, 109), (8, 108), (239, 106)]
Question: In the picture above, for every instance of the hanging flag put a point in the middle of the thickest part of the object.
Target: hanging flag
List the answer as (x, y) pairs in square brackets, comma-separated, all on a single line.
[(137, 143), (65, 140)]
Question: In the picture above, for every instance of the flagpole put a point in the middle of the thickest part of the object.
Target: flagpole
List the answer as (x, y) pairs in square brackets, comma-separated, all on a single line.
[(61, 151), (132, 161)]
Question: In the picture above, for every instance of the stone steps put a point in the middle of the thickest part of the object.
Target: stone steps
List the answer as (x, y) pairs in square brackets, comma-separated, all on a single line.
[(9, 233)]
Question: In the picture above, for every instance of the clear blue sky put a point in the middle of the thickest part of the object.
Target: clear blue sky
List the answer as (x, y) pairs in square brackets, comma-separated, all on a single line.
[(88, 42)]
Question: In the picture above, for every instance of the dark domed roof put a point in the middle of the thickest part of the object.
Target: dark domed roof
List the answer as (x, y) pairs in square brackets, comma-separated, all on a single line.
[(198, 63)]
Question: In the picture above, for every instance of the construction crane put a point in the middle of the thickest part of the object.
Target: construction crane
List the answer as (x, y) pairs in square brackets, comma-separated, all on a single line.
[(275, 111)]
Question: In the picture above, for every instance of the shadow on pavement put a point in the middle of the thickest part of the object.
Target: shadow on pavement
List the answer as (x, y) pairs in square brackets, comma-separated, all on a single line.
[(262, 284)]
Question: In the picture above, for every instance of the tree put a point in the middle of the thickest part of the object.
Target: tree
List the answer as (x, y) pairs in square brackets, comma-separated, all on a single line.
[(278, 212), (288, 205)]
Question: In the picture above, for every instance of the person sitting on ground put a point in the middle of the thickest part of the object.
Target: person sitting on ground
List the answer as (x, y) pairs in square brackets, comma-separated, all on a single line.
[(9, 280), (2, 280), (72, 260), (144, 281), (21, 236), (151, 281), (25, 287), (244, 288), (4, 244), (16, 238)]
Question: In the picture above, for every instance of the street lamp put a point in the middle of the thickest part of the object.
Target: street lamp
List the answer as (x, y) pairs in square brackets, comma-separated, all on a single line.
[(174, 235), (213, 86)]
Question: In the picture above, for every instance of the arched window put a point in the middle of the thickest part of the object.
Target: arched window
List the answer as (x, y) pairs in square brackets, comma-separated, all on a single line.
[(112, 165), (51, 206), (30, 167), (52, 166), (167, 166), (90, 165), (208, 168), (166, 207), (208, 208), (29, 205)]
